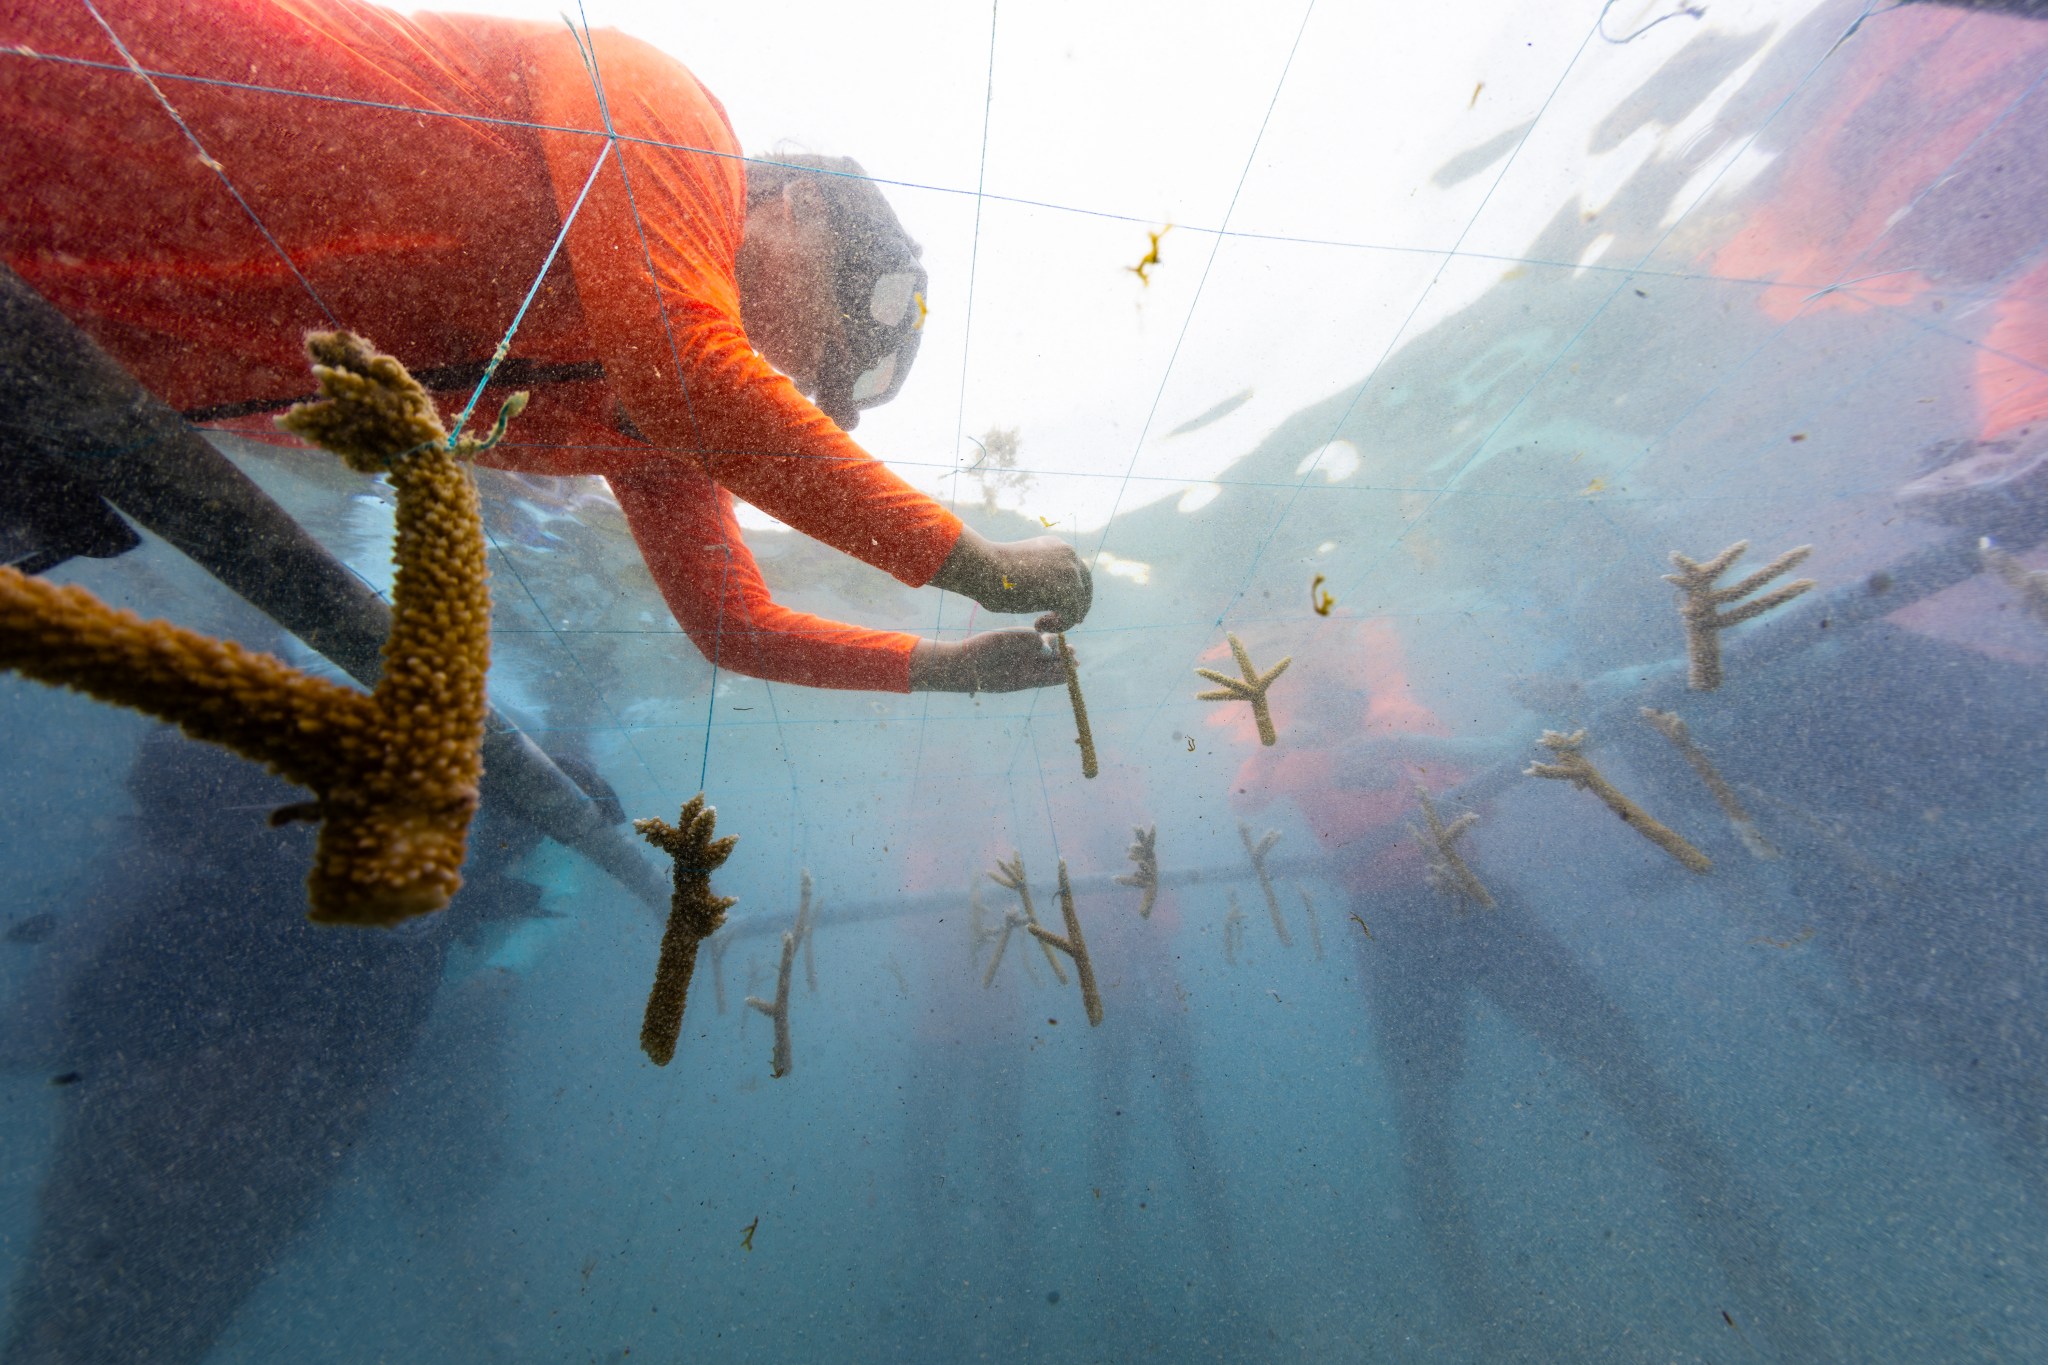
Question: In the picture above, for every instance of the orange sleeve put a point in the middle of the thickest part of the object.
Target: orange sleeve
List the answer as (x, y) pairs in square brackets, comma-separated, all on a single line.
[(677, 358), (686, 531), (2012, 367)]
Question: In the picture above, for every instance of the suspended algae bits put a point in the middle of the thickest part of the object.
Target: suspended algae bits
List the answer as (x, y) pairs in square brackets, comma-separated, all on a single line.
[(1545, 606)]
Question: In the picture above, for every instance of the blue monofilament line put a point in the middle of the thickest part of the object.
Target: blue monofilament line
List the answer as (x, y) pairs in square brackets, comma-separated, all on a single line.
[(505, 346)]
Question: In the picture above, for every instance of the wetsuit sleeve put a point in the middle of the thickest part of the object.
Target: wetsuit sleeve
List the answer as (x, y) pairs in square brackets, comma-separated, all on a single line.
[(676, 357), (687, 533)]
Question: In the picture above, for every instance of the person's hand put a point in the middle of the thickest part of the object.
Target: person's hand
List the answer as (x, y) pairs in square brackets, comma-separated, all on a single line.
[(994, 661), (1042, 574)]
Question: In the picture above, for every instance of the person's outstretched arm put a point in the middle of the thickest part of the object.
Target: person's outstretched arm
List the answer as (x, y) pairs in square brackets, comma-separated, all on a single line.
[(678, 359), (691, 541)]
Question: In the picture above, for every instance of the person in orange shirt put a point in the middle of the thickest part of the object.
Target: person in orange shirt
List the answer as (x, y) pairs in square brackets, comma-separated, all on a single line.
[(691, 327)]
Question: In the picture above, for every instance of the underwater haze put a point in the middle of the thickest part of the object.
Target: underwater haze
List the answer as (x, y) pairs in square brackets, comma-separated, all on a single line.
[(1592, 945)]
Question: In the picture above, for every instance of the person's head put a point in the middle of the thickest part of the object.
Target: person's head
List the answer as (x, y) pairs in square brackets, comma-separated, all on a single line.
[(831, 290)]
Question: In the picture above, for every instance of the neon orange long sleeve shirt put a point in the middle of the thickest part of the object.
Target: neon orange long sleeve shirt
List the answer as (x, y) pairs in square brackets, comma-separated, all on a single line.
[(406, 178)]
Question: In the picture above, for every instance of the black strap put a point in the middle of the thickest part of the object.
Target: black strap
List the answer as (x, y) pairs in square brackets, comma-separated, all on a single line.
[(513, 374)]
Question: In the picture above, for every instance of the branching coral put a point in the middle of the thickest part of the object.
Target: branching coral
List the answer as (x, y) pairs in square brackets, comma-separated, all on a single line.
[(2030, 584), (806, 925), (1446, 869), (694, 914), (1011, 874), (1075, 947), (1251, 687), (1257, 852), (1011, 920), (1144, 851), (1574, 767), (1083, 735), (394, 773), (778, 1064), (719, 942), (1315, 924), (1701, 609), (1233, 930), (1670, 725)]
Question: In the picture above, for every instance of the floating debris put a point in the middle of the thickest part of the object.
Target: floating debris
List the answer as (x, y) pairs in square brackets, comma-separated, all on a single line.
[(1319, 599), (1150, 258)]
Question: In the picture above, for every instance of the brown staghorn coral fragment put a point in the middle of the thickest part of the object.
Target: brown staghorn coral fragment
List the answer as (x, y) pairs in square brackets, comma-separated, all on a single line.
[(1251, 687), (1075, 947), (1673, 727), (806, 925), (1257, 852), (694, 914), (1083, 735), (779, 1062), (1315, 924), (2030, 584), (1701, 609), (394, 772), (1011, 874), (1144, 851), (1233, 930), (1002, 941), (1574, 767), (1446, 869), (719, 943)]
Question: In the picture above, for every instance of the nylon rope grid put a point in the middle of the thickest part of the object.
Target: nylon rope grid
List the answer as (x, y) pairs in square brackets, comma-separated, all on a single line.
[(156, 74), (1438, 495), (1215, 245), (322, 305), (1251, 568), (586, 47), (498, 355), (966, 350), (206, 160)]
